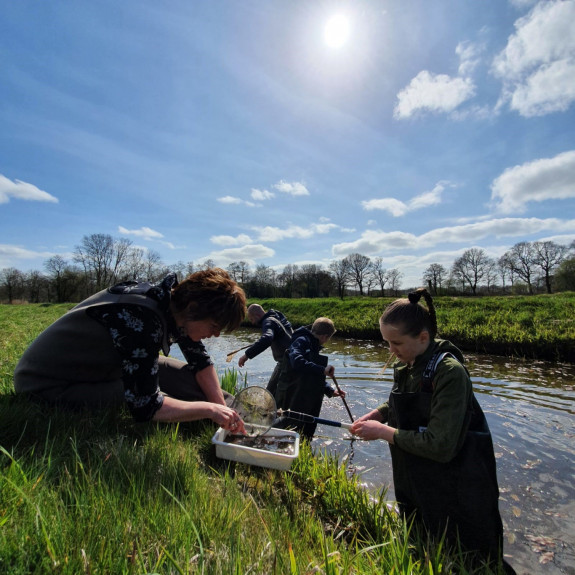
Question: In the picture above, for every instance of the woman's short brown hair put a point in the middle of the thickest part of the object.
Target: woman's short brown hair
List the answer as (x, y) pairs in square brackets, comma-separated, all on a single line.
[(210, 294)]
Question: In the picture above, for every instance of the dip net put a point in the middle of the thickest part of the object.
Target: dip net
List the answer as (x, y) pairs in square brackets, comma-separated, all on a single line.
[(257, 407)]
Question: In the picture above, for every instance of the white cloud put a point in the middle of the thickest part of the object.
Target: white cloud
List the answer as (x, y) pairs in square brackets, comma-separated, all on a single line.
[(469, 57), (375, 241), (398, 208), (261, 195), (294, 188), (274, 234), (231, 240), (11, 253), (145, 233), (537, 181), (22, 191), (538, 64), (230, 200), (434, 93), (248, 253)]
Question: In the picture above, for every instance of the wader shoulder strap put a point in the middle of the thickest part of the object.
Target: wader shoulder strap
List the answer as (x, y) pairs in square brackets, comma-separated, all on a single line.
[(288, 331), (431, 368)]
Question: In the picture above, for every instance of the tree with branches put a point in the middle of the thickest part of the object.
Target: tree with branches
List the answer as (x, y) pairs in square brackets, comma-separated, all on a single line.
[(434, 277)]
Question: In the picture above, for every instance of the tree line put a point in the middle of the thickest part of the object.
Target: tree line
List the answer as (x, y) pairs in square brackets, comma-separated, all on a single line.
[(101, 260)]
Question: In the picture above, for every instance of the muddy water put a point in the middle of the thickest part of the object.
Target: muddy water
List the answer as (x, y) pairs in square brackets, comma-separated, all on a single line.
[(530, 407)]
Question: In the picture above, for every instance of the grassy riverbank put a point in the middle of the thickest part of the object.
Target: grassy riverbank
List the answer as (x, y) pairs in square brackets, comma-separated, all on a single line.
[(86, 493), (538, 327)]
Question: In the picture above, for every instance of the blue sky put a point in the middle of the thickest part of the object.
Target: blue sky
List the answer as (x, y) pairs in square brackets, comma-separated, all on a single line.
[(241, 130)]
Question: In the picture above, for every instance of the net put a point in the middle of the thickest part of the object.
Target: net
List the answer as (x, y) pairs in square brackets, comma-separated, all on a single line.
[(257, 407)]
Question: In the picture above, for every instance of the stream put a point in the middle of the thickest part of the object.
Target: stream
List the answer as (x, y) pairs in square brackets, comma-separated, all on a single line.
[(530, 408)]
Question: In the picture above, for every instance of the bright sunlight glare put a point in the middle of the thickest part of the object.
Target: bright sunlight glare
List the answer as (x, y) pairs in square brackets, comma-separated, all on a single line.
[(336, 31)]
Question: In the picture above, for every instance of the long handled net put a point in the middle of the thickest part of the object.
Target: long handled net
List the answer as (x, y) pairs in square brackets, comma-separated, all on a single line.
[(257, 407)]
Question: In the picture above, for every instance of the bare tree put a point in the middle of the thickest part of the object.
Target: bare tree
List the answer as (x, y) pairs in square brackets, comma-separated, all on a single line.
[(505, 267), (359, 266), (523, 258), (36, 285), (208, 264), (379, 273), (12, 282), (394, 276), (434, 276), (96, 256), (471, 267), (341, 275), (549, 256)]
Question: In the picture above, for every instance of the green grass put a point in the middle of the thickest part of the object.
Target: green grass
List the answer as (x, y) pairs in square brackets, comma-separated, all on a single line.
[(541, 326), (95, 493)]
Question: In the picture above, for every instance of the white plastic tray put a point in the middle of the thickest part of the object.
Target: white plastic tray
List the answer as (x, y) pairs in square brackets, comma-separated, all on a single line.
[(254, 456)]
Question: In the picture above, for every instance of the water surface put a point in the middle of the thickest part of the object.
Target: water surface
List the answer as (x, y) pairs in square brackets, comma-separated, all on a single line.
[(530, 408)]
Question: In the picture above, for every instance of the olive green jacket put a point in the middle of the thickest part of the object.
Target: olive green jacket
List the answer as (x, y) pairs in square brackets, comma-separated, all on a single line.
[(451, 401)]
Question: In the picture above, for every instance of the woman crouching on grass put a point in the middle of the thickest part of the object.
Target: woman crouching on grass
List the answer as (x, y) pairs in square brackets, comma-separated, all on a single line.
[(106, 350), (444, 471)]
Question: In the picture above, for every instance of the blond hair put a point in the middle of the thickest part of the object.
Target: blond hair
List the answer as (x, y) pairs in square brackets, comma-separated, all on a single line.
[(323, 326)]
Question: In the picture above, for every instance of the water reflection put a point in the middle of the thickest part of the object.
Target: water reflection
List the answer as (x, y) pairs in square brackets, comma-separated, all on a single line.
[(529, 406)]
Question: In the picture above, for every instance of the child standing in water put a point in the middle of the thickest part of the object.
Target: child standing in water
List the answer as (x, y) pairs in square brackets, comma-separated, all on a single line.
[(444, 469), (303, 369)]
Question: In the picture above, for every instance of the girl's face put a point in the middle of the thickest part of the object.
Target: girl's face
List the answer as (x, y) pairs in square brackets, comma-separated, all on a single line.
[(201, 329), (405, 347)]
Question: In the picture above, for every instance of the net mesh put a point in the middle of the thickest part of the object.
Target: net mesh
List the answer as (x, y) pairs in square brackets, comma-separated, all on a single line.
[(257, 407)]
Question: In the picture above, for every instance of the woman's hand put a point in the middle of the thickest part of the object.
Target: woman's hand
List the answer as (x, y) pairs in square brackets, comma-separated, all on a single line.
[(228, 419), (329, 370)]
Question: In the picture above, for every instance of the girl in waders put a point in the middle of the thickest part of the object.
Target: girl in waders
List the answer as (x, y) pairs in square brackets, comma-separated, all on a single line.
[(444, 471)]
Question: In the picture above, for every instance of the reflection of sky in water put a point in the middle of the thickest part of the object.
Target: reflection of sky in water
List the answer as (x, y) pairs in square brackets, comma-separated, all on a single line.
[(530, 408)]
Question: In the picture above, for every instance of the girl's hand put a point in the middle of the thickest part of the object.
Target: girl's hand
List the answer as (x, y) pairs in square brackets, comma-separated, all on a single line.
[(370, 429), (329, 370)]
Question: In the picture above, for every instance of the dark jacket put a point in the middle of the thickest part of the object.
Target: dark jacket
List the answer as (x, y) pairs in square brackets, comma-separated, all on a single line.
[(276, 333), (301, 384)]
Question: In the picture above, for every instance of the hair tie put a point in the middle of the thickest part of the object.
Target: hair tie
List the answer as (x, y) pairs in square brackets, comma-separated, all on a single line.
[(414, 297)]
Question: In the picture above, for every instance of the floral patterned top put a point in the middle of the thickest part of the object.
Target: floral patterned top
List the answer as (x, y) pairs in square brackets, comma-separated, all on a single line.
[(137, 333)]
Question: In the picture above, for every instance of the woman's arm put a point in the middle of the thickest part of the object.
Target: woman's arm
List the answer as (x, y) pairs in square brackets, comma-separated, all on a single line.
[(177, 410), (209, 383)]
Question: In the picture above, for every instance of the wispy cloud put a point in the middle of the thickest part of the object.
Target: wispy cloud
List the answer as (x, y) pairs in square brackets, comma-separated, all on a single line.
[(398, 208), (376, 241), (22, 191), (275, 234), (242, 239), (537, 181), (248, 253), (146, 233), (10, 252), (537, 66), (261, 195), (292, 188), (230, 200)]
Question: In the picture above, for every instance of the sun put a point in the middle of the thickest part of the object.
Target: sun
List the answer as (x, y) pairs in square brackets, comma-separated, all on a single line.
[(336, 31)]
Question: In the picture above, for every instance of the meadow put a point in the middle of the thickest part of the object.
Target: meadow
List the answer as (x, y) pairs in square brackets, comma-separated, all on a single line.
[(95, 493)]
